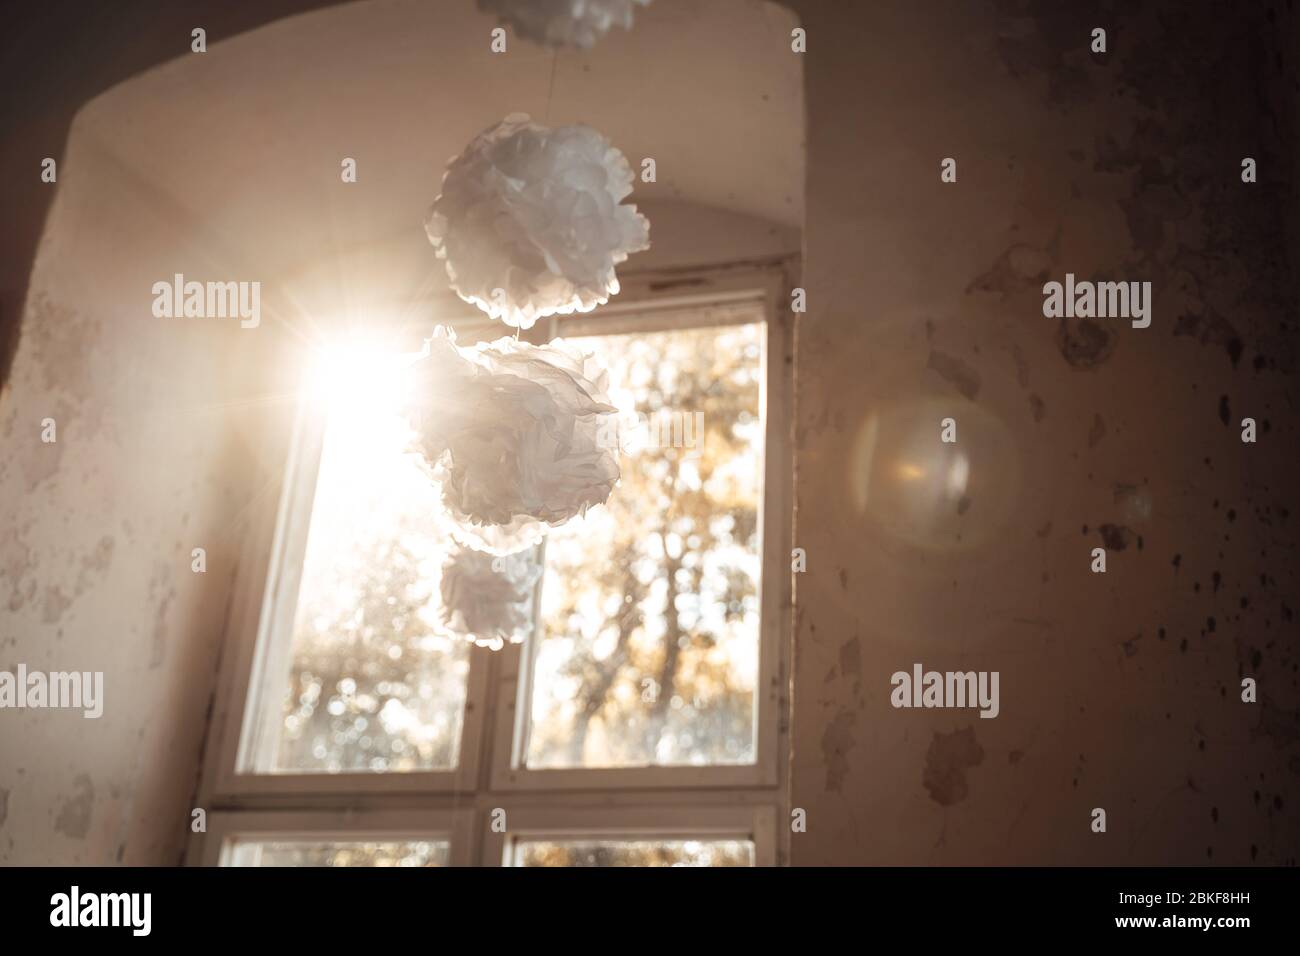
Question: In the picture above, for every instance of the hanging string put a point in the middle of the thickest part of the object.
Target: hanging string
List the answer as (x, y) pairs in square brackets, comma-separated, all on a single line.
[(546, 121), (550, 89)]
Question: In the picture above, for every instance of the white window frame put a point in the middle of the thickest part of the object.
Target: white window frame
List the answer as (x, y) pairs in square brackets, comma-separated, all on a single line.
[(226, 829), (275, 559), (490, 774), (756, 824)]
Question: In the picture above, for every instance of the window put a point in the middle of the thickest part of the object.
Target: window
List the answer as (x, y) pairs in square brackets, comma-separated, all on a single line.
[(332, 838), (586, 851), (290, 852), (641, 722), (647, 654), (359, 677)]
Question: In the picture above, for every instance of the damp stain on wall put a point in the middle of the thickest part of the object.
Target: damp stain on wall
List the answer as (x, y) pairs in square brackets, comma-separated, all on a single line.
[(947, 760), (73, 818)]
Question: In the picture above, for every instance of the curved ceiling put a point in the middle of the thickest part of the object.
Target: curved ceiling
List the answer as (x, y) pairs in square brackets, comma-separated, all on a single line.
[(246, 140)]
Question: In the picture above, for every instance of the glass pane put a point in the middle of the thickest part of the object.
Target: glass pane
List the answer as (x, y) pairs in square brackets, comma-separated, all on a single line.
[(633, 853), (371, 683), (649, 652), (301, 853)]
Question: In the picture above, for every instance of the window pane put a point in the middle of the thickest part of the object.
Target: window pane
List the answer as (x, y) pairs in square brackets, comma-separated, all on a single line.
[(649, 651), (301, 853), (633, 853), (371, 684)]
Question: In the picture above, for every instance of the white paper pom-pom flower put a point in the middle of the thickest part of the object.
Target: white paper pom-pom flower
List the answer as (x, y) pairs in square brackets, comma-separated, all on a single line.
[(487, 599), (516, 436), (563, 23), (530, 221)]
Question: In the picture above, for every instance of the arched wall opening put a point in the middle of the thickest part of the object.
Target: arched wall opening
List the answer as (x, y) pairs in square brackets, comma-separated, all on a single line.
[(225, 166)]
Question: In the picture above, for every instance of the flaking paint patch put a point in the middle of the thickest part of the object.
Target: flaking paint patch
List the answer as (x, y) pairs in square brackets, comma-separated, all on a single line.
[(56, 602), (20, 560), (59, 337), (1134, 501), (851, 657), (1147, 211), (1042, 41), (1019, 268), (837, 741), (43, 463), (159, 652), (62, 343), (1097, 432), (1281, 727), (1211, 328), (1022, 366), (1084, 343), (95, 563), (956, 372), (74, 815), (159, 581), (1115, 537), (946, 763)]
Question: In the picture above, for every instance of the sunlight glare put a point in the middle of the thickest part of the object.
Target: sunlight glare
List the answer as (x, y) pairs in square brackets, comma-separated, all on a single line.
[(358, 377)]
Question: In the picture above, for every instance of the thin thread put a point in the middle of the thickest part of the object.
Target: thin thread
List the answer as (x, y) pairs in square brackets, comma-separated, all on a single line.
[(550, 95), (550, 90)]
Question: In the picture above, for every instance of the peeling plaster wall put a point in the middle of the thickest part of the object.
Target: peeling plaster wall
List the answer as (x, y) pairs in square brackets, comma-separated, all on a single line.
[(150, 461), (1118, 690)]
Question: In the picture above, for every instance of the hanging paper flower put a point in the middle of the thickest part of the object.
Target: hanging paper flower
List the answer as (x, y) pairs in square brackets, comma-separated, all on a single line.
[(529, 221), (487, 599), (447, 404), (563, 23), (515, 434)]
